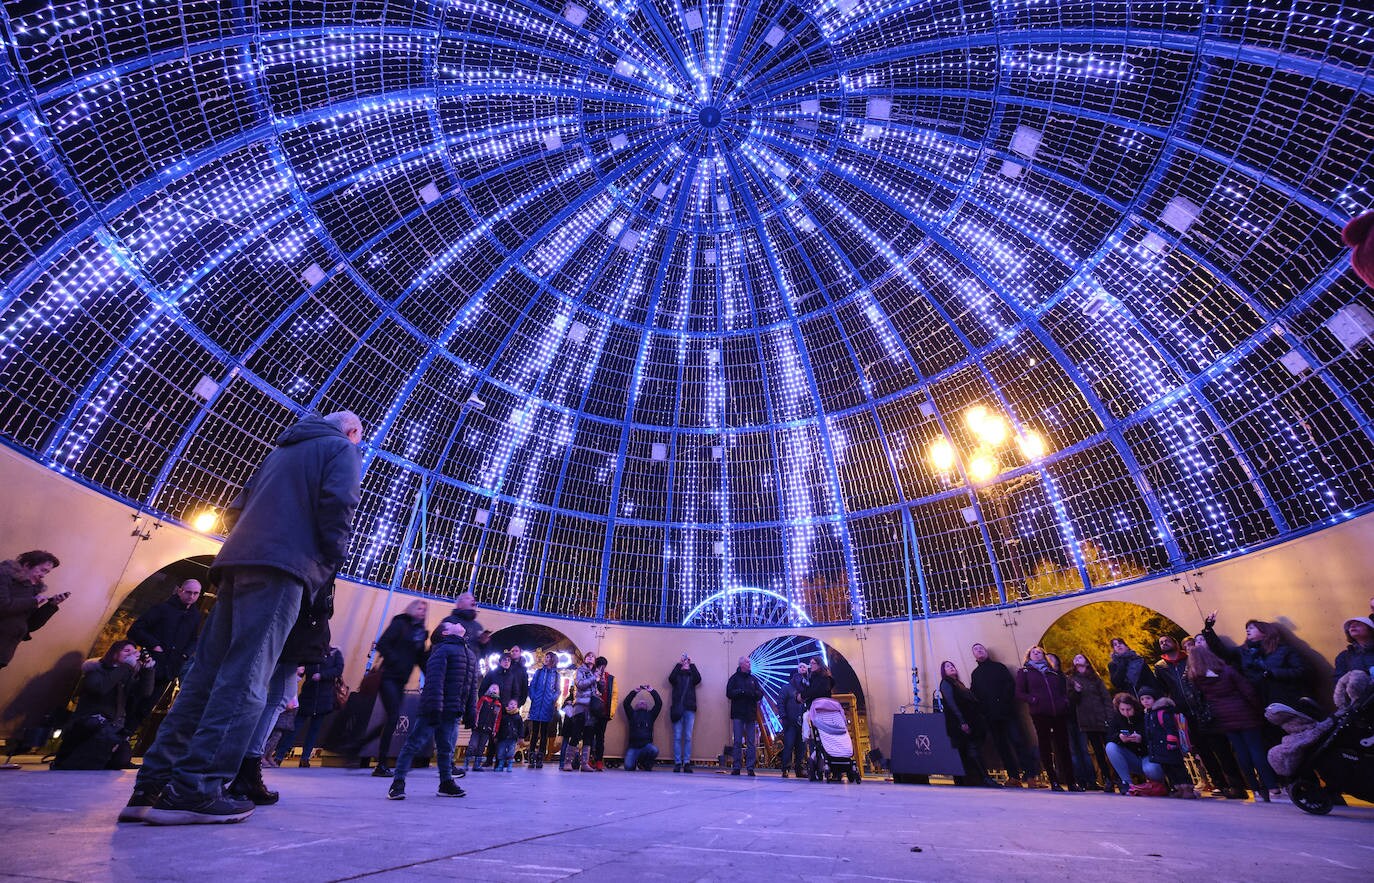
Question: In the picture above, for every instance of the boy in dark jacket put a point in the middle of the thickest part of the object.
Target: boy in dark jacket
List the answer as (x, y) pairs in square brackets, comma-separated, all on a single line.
[(488, 722), (450, 694), (508, 733), (1163, 740)]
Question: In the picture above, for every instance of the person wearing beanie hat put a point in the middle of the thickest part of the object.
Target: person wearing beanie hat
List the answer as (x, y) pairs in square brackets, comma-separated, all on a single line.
[(1359, 236), (487, 724), (1165, 741), (1359, 656)]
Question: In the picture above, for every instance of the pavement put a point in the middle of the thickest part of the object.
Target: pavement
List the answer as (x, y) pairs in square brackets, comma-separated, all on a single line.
[(534, 825)]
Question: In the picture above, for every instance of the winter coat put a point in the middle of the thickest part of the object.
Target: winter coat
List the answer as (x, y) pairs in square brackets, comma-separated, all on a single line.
[(684, 686), (1119, 724), (639, 723), (106, 689), (818, 685), (1173, 675), (791, 706), (1164, 745), (1276, 676), (16, 605), (522, 681), (744, 692), (509, 681), (1232, 701), (961, 707), (317, 697), (174, 627), (1356, 657), (1044, 692), (544, 694), (585, 683), (511, 727), (1092, 705), (450, 690), (1129, 672), (402, 647), (296, 513), (489, 715), (995, 687)]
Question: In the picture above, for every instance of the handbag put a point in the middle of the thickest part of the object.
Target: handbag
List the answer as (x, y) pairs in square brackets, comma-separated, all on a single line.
[(341, 692)]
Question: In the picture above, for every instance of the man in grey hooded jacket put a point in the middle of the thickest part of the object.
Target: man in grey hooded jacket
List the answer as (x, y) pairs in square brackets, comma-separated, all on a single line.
[(290, 530)]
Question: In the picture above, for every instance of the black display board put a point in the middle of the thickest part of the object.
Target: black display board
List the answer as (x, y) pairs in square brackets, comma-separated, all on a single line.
[(921, 748)]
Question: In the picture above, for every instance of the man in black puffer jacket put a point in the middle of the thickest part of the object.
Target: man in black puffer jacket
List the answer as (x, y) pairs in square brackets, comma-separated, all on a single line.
[(449, 695), (744, 692)]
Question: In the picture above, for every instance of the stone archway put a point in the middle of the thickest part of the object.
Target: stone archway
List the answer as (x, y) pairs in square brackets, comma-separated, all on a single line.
[(1088, 629), (154, 589)]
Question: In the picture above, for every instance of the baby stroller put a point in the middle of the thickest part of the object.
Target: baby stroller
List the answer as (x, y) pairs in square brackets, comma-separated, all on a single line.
[(832, 752), (1339, 760)]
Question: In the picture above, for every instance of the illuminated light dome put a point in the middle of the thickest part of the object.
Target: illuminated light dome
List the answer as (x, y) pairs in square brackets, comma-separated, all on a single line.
[(653, 310)]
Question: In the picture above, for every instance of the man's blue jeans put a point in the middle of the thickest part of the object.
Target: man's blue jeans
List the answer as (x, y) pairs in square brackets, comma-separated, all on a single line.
[(206, 734), (744, 734), (634, 757), (444, 734), (682, 738), (283, 679)]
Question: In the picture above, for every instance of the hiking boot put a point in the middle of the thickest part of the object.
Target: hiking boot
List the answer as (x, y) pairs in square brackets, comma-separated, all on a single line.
[(677, 767), (397, 791), (175, 808), (382, 771), (686, 767), (249, 785), (136, 810), (449, 788)]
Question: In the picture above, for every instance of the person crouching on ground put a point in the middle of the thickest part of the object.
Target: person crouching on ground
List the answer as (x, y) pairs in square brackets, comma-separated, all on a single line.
[(641, 712), (450, 693), (1164, 741), (508, 734)]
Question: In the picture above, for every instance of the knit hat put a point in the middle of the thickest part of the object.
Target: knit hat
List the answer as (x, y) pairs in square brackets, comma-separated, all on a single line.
[(1147, 691), (494, 690), (1345, 626)]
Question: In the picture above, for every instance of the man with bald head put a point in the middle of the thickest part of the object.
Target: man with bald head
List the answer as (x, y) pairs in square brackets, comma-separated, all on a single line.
[(744, 692), (289, 533)]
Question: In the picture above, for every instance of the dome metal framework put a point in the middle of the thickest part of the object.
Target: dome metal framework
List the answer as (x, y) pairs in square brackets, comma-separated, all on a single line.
[(674, 310)]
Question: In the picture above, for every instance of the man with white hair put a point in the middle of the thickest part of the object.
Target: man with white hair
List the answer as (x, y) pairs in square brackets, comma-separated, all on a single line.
[(744, 692), (290, 529)]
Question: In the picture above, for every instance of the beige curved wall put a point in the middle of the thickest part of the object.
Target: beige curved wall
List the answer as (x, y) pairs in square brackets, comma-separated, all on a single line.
[(1311, 584)]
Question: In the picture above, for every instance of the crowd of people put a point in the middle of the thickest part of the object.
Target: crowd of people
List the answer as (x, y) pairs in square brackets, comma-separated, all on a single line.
[(1195, 717), (259, 676)]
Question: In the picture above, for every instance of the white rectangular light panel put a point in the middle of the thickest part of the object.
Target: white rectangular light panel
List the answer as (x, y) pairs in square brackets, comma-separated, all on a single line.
[(870, 132), (1026, 141), (1180, 214), (1296, 363), (811, 105), (577, 332), (1010, 169), (1154, 242), (619, 142), (613, 227), (970, 515), (928, 410), (722, 203), (1352, 325), (553, 141), (481, 516), (782, 171), (806, 225), (693, 19), (774, 36), (658, 451), (660, 190), (516, 528), (718, 547), (880, 108), (574, 14), (846, 6), (429, 193), (717, 452), (206, 388), (713, 357), (629, 240), (710, 255), (625, 67), (314, 275)]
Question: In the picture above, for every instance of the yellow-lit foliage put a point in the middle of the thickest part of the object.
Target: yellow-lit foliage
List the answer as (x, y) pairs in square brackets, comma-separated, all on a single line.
[(1089, 630), (1051, 579)]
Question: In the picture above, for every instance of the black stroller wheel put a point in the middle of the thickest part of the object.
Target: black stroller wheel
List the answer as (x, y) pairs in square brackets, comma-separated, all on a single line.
[(1309, 796)]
